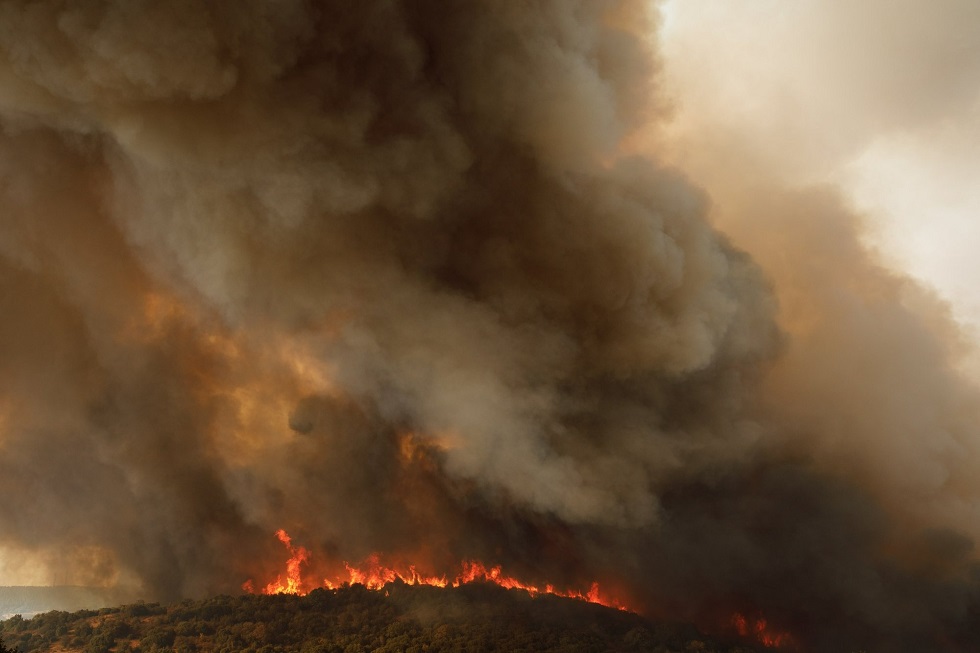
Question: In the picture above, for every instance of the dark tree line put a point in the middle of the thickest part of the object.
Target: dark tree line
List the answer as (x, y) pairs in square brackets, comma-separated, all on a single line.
[(473, 618)]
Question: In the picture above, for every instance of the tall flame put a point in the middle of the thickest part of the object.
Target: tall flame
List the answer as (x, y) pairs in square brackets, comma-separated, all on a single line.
[(374, 574), (293, 583)]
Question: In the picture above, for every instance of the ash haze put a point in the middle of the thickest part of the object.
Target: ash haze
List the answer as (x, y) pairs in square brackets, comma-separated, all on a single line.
[(881, 99), (534, 283)]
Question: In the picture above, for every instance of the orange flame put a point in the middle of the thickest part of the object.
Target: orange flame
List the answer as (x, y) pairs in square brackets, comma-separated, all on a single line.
[(373, 574), (760, 630), (293, 584)]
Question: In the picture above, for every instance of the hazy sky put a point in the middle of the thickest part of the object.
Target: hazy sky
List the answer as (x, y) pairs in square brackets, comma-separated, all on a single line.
[(879, 97)]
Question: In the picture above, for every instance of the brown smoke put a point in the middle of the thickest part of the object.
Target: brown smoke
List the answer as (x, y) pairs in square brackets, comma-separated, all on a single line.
[(382, 275)]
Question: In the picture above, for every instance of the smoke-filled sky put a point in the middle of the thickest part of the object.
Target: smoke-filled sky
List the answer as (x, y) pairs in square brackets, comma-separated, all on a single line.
[(591, 290), (881, 99)]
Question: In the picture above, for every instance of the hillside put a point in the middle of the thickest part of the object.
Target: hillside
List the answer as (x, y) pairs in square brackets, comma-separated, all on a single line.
[(474, 618)]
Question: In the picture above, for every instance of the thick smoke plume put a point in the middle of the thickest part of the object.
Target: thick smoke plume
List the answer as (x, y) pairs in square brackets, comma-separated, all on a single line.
[(381, 274)]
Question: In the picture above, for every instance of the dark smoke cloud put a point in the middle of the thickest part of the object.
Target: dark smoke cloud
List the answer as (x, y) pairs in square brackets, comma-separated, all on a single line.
[(380, 275)]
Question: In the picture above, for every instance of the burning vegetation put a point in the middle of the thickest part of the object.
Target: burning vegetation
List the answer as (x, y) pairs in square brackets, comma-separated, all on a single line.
[(374, 575), (758, 629)]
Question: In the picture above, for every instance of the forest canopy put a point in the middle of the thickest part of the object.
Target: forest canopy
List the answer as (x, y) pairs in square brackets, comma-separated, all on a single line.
[(353, 619)]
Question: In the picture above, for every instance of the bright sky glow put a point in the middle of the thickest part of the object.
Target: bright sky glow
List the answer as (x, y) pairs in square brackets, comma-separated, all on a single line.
[(882, 99)]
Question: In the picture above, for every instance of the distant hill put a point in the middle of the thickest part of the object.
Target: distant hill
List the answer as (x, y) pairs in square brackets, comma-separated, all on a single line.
[(28, 601), (401, 618)]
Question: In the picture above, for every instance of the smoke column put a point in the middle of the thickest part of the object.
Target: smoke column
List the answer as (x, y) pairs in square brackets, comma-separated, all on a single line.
[(386, 275)]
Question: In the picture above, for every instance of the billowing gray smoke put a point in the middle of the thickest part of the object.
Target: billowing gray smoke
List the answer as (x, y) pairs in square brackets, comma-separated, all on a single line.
[(378, 273)]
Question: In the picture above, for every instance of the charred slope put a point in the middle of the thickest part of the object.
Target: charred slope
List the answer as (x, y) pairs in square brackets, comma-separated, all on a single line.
[(400, 618)]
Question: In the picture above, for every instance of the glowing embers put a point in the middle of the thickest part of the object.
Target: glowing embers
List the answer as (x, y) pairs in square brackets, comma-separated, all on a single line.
[(760, 630), (374, 574)]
